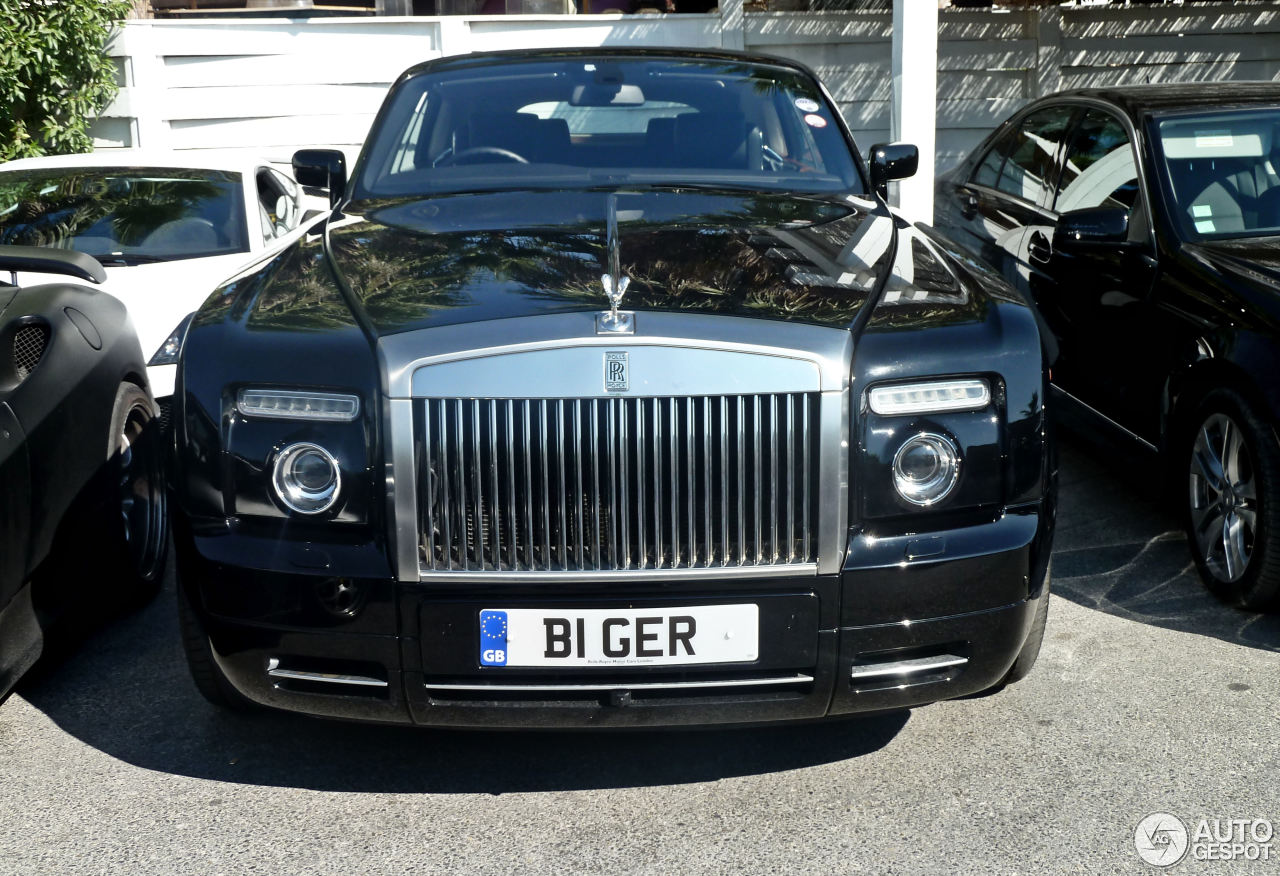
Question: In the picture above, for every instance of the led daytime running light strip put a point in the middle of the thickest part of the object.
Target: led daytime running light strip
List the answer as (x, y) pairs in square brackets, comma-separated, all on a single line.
[(930, 398), (295, 405)]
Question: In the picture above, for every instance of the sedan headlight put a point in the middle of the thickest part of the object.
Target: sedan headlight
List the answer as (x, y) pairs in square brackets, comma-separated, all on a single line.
[(926, 468), (306, 478)]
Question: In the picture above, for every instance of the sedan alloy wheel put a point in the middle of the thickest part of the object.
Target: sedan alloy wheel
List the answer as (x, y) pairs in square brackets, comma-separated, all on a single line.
[(1233, 478), (1224, 499)]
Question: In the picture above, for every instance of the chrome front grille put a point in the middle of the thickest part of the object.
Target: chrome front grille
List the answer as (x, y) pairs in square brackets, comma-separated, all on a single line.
[(613, 484)]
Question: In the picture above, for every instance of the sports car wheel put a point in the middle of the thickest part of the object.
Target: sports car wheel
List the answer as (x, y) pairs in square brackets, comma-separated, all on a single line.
[(1233, 501), (136, 529)]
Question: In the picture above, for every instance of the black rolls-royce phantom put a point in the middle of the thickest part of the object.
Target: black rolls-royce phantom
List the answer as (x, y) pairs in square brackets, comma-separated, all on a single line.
[(610, 393)]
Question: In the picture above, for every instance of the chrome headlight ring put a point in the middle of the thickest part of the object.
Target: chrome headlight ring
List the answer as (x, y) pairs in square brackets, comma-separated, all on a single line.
[(926, 468), (306, 478)]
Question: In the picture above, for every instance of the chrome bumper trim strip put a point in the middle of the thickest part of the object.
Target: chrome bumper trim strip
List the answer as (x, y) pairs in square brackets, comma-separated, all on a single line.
[(906, 667), (326, 678), (798, 678)]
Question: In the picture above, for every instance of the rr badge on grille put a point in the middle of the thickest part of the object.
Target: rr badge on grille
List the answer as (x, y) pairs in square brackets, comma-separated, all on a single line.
[(617, 376)]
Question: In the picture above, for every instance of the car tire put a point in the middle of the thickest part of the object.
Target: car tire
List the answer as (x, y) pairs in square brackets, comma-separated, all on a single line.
[(205, 672), (135, 533), (1231, 508), (1026, 658)]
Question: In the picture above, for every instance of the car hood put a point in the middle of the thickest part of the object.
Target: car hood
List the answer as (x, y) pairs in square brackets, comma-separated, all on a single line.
[(158, 295), (1255, 260), (458, 258)]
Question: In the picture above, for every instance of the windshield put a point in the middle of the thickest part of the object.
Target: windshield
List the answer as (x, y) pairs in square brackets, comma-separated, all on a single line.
[(1222, 172), (125, 216), (607, 121)]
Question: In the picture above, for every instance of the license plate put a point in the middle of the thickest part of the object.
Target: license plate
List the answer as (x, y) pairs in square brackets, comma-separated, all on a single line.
[(613, 637)]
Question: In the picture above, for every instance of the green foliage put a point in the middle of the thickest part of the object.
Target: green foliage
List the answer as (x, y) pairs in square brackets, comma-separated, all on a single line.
[(54, 74)]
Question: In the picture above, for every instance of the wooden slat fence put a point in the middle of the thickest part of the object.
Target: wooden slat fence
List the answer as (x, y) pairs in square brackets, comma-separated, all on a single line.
[(271, 86)]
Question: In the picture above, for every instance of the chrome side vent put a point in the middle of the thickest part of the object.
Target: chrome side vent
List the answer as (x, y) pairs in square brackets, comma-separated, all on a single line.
[(29, 343), (616, 484)]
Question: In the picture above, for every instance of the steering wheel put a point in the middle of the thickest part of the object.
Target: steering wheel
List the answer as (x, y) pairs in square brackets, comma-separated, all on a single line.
[(479, 151)]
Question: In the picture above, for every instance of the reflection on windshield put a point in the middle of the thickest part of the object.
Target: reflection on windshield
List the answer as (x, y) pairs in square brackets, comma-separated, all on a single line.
[(437, 262), (588, 122), (125, 216), (1223, 172)]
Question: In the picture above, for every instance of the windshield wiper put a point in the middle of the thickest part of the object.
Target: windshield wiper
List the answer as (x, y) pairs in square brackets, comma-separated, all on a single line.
[(129, 258)]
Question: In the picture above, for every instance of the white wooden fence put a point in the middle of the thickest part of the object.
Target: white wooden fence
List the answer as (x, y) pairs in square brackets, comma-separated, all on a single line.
[(271, 86)]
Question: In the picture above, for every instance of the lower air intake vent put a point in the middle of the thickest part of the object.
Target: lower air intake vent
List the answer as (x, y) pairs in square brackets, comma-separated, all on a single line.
[(28, 347)]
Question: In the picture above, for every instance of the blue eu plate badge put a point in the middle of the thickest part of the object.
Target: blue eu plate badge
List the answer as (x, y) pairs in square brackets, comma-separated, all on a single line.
[(493, 637)]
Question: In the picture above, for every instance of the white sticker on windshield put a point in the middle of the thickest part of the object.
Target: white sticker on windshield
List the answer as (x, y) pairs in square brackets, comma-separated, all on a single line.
[(1198, 210), (1214, 140), (815, 121), (1205, 226), (805, 105)]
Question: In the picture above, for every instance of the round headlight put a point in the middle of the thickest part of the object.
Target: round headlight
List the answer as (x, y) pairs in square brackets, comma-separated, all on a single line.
[(925, 468), (306, 478)]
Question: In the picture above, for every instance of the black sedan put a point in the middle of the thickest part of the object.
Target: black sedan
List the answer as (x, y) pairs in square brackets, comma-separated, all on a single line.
[(610, 393), (1145, 223), (82, 502)]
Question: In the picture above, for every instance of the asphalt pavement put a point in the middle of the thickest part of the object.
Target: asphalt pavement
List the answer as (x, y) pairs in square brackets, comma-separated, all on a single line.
[(1149, 697)]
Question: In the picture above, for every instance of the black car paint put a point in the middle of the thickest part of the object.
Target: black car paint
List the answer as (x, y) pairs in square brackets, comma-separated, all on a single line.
[(54, 426), (265, 583), (1145, 326)]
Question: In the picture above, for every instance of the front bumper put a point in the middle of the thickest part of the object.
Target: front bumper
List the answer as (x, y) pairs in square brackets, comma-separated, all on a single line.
[(892, 630)]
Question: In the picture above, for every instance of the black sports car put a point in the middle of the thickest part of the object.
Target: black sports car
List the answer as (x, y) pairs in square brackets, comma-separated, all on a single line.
[(1145, 223), (610, 394), (82, 501)]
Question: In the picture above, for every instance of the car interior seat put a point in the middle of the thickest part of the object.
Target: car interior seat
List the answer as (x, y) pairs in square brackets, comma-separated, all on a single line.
[(188, 235), (1269, 197), (1209, 189), (716, 140), (532, 138), (286, 214), (660, 141), (1222, 177)]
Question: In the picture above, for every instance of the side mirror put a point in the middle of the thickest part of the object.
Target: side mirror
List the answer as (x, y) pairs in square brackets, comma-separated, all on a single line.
[(892, 161), (321, 169), (1078, 229)]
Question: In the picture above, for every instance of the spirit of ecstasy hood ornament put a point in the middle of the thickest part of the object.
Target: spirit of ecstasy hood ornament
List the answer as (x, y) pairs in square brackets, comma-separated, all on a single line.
[(615, 284)]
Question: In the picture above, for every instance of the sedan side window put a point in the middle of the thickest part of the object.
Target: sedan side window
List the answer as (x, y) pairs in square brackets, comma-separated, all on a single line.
[(1099, 169), (1028, 172), (989, 169), (277, 204)]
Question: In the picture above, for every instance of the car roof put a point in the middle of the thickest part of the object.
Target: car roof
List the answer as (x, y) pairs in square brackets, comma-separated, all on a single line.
[(1137, 100), (195, 159), (518, 55)]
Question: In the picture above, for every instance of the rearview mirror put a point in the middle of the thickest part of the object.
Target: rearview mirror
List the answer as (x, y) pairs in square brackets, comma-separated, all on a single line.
[(321, 169), (606, 95), (891, 161), (1091, 226)]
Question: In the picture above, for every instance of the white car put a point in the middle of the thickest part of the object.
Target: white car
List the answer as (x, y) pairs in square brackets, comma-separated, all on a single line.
[(167, 226)]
